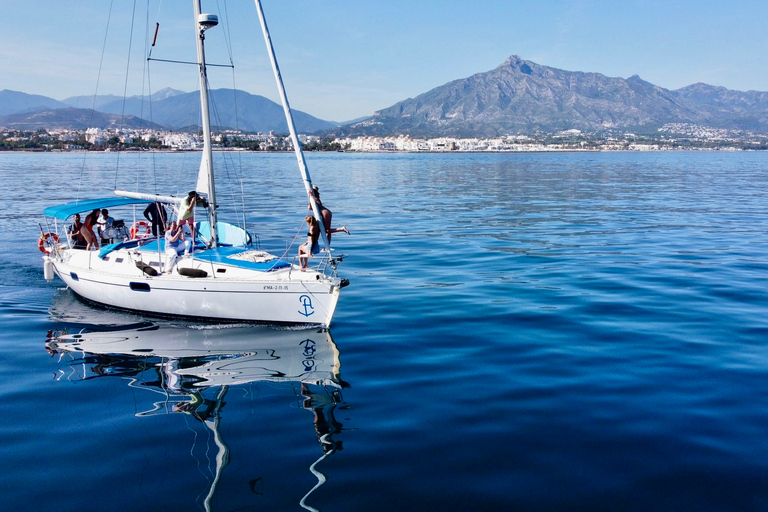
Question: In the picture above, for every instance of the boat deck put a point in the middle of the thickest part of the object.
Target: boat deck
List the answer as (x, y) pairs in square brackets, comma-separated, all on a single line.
[(223, 255)]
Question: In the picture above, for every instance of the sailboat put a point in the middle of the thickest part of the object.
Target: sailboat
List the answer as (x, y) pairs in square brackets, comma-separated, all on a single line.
[(223, 277)]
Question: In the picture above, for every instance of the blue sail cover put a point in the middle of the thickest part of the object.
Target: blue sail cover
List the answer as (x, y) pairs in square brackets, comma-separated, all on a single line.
[(64, 211)]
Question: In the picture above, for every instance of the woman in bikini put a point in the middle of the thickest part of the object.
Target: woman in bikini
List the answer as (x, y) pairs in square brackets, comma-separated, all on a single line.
[(310, 247), (91, 239), (326, 214)]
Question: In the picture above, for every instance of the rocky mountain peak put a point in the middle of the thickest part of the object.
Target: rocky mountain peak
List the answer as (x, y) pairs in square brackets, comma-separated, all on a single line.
[(515, 63)]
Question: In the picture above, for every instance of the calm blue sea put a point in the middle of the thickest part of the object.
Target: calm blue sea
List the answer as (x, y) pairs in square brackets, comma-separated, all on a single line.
[(535, 332)]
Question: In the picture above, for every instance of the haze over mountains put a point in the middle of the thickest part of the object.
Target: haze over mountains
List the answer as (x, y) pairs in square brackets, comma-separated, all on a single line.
[(518, 97), (168, 108)]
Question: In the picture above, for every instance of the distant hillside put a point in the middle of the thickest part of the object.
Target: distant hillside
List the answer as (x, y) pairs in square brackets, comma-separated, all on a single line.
[(99, 101), (14, 101), (729, 109), (524, 97), (229, 108), (169, 108), (71, 119)]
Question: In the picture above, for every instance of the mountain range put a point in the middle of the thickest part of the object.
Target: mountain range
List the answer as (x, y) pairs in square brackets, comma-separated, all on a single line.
[(69, 118), (168, 108), (518, 97), (522, 97)]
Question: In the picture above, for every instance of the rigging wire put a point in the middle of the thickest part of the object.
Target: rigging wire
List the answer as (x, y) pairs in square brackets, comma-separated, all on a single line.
[(95, 93), (239, 168), (231, 171), (150, 99), (157, 26), (207, 65), (125, 86), (239, 153), (146, 76), (227, 31), (218, 118)]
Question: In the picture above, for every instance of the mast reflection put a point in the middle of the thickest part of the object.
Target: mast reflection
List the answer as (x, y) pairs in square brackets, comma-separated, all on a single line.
[(194, 368)]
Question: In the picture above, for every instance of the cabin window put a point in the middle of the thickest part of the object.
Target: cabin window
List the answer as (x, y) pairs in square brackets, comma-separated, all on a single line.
[(139, 287), (221, 270), (74, 276), (118, 260)]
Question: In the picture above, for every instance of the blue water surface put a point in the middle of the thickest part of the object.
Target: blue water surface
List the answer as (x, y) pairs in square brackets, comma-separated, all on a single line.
[(543, 331)]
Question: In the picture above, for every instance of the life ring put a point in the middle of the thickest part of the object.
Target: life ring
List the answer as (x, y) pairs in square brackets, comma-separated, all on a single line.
[(140, 229), (47, 242)]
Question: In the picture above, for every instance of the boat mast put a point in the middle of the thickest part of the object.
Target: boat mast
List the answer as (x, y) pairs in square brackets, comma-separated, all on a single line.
[(291, 126), (202, 23)]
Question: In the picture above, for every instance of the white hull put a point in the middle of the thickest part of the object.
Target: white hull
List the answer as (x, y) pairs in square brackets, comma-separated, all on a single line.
[(228, 292)]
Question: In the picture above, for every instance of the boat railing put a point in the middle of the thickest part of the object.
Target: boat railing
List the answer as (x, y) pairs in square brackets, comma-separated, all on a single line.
[(324, 262)]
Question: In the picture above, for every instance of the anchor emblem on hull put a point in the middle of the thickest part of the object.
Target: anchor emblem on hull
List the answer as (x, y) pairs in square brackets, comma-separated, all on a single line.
[(306, 303)]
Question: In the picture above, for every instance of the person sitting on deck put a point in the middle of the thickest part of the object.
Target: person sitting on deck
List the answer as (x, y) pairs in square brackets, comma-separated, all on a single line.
[(310, 247), (175, 245), (326, 214)]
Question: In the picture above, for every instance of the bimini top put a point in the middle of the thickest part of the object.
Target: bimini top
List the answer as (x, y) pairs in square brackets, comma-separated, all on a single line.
[(64, 211)]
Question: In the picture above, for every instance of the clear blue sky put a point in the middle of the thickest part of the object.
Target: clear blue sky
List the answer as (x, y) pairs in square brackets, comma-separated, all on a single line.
[(343, 59)]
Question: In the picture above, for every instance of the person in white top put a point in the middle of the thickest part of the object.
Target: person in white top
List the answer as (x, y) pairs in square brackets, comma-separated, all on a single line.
[(106, 232)]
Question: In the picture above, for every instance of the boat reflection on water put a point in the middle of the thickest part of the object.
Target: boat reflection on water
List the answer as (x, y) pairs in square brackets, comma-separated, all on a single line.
[(194, 367)]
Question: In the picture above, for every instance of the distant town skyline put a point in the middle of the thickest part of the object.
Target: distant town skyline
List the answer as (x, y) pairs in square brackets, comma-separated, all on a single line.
[(343, 60)]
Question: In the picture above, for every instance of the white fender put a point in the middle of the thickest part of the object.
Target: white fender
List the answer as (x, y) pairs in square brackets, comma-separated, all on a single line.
[(48, 268)]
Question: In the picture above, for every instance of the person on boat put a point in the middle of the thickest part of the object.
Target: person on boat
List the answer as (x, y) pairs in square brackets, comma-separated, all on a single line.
[(155, 213), (310, 247), (187, 212), (92, 241), (78, 240), (175, 245), (105, 226), (326, 214)]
